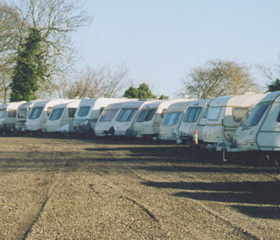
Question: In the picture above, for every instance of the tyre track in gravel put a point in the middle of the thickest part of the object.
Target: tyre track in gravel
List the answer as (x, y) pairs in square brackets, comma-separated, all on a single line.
[(210, 211), (128, 184), (52, 188), (248, 233), (123, 191), (131, 196), (224, 211), (194, 233), (105, 189)]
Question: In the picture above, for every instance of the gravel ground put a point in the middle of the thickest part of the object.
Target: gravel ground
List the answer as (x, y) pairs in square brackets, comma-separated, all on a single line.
[(117, 189)]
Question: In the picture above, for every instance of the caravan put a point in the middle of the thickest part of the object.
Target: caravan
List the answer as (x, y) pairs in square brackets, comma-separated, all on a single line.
[(224, 116), (104, 124), (22, 114), (150, 117), (261, 131), (8, 112), (88, 113), (168, 129), (193, 120), (39, 114), (61, 117), (123, 125)]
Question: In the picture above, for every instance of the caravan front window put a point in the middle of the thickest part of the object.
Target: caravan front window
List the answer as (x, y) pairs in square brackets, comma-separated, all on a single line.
[(35, 112), (205, 114), (146, 115), (22, 113), (256, 115), (214, 113), (126, 114), (56, 113), (278, 118), (108, 115), (12, 113), (192, 114), (2, 113), (83, 111), (171, 118), (71, 112)]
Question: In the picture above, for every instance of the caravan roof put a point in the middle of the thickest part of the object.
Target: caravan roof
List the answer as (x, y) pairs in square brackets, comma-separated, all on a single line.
[(179, 105), (244, 100), (11, 105)]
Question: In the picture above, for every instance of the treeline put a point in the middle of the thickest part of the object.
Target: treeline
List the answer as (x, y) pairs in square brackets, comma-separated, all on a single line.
[(37, 60)]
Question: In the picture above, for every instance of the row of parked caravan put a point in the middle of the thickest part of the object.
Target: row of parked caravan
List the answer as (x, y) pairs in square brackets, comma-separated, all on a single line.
[(249, 122)]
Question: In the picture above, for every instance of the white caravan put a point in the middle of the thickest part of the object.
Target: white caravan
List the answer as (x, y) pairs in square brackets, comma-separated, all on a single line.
[(62, 117), (89, 111), (168, 129), (39, 114), (261, 131), (194, 119), (22, 114), (123, 125), (150, 117), (104, 124), (224, 116), (8, 112)]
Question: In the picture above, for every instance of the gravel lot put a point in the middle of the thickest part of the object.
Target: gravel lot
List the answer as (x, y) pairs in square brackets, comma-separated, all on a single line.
[(126, 189)]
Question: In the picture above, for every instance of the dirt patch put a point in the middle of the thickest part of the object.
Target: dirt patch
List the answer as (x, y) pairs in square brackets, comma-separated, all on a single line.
[(116, 189)]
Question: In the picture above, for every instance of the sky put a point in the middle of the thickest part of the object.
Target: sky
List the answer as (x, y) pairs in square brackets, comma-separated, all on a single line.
[(160, 41)]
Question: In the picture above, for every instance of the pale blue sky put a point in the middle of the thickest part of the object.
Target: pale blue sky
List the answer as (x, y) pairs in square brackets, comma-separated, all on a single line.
[(159, 41)]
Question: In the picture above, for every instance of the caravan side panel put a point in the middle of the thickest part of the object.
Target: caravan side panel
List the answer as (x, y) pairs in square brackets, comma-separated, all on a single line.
[(268, 138)]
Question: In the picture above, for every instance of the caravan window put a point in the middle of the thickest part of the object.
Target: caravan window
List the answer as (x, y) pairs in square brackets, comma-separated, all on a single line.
[(192, 114), (71, 112), (146, 115), (108, 115), (150, 115), (205, 114), (35, 112), (238, 113), (2, 113), (214, 113), (83, 111), (126, 114), (256, 115), (22, 113), (101, 110), (12, 113), (171, 118), (278, 118), (56, 113)]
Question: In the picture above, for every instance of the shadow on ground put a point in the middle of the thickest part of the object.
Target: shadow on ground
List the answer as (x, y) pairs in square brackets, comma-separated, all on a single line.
[(231, 192)]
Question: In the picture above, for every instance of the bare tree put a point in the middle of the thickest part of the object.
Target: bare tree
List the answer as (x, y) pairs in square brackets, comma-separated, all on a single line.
[(219, 78), (9, 39), (93, 83), (271, 74), (55, 20)]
